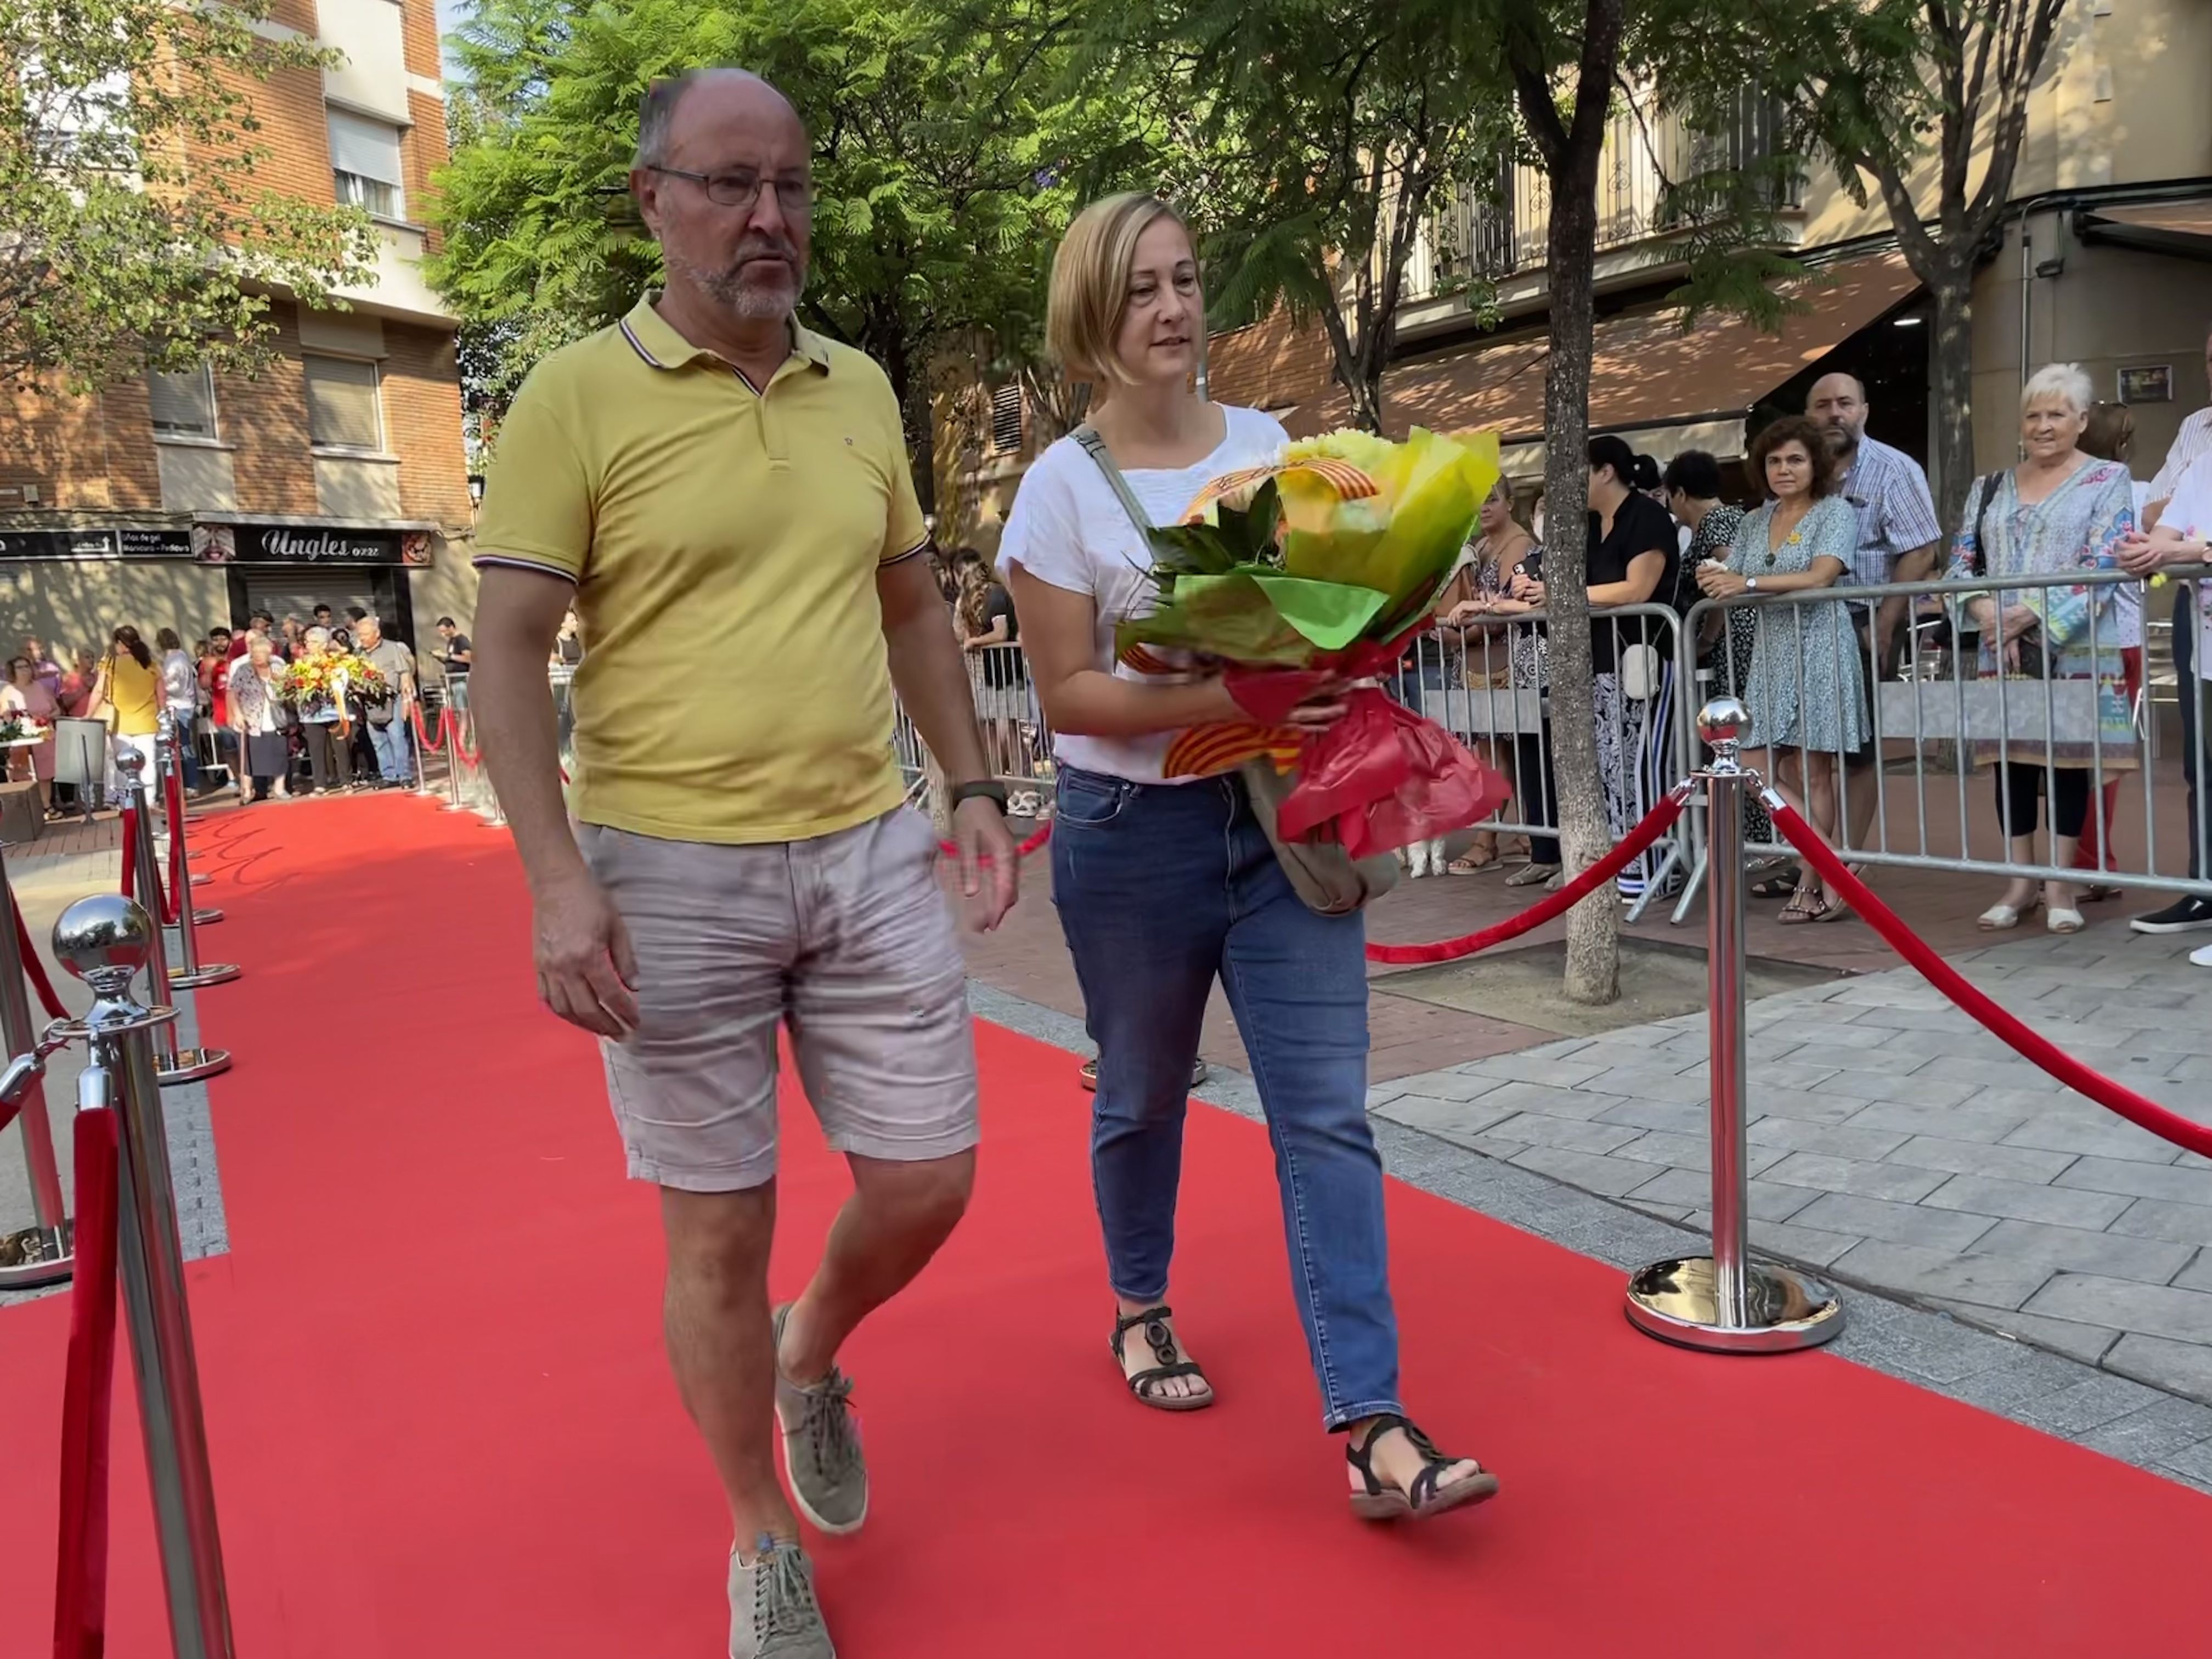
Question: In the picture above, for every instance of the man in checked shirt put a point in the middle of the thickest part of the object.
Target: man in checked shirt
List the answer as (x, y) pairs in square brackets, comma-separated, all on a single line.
[(1900, 539)]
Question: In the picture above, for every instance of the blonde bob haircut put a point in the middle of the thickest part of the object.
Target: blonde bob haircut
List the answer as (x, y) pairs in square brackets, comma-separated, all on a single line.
[(1090, 293)]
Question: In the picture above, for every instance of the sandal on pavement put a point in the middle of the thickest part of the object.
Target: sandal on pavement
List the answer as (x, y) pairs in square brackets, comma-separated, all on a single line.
[(1146, 1385), (1775, 881), (2003, 918), (1529, 874), (1468, 865), (1428, 1497), (1807, 904), (2066, 922)]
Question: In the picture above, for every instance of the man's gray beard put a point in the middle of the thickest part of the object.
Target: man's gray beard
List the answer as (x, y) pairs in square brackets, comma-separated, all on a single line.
[(739, 298)]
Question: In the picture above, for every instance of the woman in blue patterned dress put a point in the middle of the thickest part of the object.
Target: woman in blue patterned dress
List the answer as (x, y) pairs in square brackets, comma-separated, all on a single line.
[(1803, 691), (2059, 510)]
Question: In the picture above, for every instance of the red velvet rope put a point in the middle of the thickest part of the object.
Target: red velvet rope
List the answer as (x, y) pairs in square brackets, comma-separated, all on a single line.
[(1918, 954), (414, 712), (34, 969), (461, 750), (1043, 835), (130, 852), (80, 1583), (1656, 823)]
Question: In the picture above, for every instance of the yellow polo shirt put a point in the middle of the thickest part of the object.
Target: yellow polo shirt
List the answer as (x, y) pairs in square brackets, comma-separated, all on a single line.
[(725, 543)]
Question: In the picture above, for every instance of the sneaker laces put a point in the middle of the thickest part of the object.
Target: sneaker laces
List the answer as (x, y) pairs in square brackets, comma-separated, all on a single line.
[(784, 1608), (828, 1425)]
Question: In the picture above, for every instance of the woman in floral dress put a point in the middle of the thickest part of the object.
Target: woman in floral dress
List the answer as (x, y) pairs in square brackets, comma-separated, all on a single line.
[(1803, 689), (2059, 510)]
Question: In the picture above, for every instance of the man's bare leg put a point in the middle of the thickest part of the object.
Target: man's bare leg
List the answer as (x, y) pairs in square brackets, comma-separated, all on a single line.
[(896, 1217), (716, 1316)]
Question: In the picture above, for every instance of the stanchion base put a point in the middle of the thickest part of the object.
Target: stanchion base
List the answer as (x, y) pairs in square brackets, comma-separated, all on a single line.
[(191, 1065), (205, 916), (201, 878), (35, 1257), (1674, 1302), (207, 973)]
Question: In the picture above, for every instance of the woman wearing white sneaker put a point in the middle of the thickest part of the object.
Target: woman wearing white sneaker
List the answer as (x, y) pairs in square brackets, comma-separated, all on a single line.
[(2059, 510)]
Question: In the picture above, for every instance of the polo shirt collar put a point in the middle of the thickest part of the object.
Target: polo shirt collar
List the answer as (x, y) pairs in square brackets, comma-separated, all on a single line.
[(656, 341)]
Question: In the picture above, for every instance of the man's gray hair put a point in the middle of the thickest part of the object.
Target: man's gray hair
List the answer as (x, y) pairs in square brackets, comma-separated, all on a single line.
[(656, 111)]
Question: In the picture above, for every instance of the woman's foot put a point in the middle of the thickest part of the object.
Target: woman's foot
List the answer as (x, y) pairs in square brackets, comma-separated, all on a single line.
[(1532, 875), (2058, 901), (2019, 900), (1397, 1472), (1809, 903), (1153, 1363)]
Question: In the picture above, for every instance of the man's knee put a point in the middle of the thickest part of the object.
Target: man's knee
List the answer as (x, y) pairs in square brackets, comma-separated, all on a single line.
[(721, 1235), (928, 1195)]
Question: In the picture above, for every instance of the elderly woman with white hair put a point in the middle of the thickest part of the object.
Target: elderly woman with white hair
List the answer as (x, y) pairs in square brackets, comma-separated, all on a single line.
[(2060, 511), (325, 732)]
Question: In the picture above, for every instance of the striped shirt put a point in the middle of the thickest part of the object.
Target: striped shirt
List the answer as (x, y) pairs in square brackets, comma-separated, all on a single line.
[(2195, 439), (1887, 489)]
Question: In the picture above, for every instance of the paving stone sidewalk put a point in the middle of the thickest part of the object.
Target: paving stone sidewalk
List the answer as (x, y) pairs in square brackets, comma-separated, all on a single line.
[(1898, 1146)]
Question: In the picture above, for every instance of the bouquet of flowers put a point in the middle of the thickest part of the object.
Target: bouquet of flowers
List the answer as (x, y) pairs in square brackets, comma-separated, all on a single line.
[(1321, 568), (314, 685)]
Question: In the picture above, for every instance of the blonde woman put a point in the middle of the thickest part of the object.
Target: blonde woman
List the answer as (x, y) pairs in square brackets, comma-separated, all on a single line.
[(1165, 884)]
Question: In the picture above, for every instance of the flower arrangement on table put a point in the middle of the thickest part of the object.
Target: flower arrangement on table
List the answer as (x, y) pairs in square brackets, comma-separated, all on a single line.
[(1321, 568), (21, 728)]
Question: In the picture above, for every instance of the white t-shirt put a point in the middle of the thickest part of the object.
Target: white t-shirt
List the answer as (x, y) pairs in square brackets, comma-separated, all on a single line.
[(1068, 530), (2189, 512)]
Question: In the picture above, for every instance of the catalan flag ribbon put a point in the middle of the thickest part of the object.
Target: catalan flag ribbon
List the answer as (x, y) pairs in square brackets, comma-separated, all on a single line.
[(1310, 576)]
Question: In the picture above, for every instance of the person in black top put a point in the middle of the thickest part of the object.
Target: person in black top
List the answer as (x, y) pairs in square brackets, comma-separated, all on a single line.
[(1634, 559)]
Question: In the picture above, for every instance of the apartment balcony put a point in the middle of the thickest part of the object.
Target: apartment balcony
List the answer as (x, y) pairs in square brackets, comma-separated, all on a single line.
[(1497, 234)]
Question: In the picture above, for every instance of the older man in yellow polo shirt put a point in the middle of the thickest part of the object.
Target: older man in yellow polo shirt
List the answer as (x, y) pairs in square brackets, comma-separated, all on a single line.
[(725, 499)]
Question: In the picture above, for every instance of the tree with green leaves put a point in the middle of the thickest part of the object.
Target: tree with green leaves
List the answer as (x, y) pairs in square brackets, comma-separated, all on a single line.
[(1879, 88), (140, 232), (949, 152), (1312, 140)]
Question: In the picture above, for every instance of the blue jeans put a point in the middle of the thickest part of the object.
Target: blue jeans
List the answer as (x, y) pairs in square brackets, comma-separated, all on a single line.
[(395, 760), (1161, 888), (2195, 763)]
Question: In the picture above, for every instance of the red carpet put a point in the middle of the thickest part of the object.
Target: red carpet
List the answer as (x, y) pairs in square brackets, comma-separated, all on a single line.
[(442, 1425)]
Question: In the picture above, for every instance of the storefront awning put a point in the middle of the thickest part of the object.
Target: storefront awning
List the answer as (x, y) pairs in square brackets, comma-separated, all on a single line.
[(2182, 228), (1646, 373)]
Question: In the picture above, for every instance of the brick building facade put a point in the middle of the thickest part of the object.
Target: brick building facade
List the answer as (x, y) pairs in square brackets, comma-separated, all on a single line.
[(336, 473)]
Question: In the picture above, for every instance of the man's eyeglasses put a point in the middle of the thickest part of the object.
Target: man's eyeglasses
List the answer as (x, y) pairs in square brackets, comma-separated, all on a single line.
[(742, 190)]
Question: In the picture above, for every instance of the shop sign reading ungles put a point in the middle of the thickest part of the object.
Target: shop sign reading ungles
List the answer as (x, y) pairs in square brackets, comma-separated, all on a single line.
[(286, 543)]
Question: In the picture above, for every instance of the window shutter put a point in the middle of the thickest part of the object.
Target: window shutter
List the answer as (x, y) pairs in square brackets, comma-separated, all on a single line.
[(341, 404), (1006, 418), (368, 149), (183, 402)]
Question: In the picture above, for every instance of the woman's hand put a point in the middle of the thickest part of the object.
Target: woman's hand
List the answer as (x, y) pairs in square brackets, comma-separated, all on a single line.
[(2018, 619), (1526, 588), (1465, 611), (1322, 709), (1718, 584)]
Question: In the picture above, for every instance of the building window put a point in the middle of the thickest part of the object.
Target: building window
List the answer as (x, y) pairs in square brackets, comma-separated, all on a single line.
[(183, 402), (342, 408), (365, 164), (1006, 419)]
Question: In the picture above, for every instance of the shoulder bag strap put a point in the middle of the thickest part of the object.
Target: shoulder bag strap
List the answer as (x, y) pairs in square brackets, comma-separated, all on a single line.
[(1095, 448), (1987, 486)]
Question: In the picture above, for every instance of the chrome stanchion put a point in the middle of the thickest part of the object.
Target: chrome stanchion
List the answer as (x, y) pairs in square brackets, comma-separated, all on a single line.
[(453, 802), (165, 753), (104, 940), (172, 1064), (39, 1253), (1722, 1301)]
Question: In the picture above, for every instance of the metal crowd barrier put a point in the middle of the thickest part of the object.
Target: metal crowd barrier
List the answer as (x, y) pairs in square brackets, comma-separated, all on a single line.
[(1017, 741), (1950, 722)]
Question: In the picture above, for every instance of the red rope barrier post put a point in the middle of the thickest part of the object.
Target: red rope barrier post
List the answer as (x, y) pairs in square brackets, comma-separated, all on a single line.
[(1723, 1302), (181, 878), (38, 1254), (105, 941), (172, 1064)]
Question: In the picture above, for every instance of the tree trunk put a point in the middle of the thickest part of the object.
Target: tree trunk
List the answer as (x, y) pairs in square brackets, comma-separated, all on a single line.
[(1951, 380), (1593, 971)]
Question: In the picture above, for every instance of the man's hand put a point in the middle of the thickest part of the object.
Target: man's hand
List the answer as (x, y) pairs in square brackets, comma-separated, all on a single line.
[(586, 971), (980, 838)]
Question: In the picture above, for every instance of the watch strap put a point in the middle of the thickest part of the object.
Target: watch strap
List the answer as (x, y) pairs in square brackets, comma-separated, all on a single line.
[(989, 789)]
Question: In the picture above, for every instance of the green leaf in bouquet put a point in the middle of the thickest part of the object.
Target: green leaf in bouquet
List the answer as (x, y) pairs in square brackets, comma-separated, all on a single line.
[(1228, 616), (1331, 615), (1232, 538)]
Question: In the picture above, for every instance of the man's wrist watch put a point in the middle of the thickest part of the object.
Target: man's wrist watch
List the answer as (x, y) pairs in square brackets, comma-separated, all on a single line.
[(989, 789)]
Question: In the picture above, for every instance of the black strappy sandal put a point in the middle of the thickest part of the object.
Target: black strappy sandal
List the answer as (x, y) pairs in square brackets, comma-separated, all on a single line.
[(1383, 1502), (1144, 1384)]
